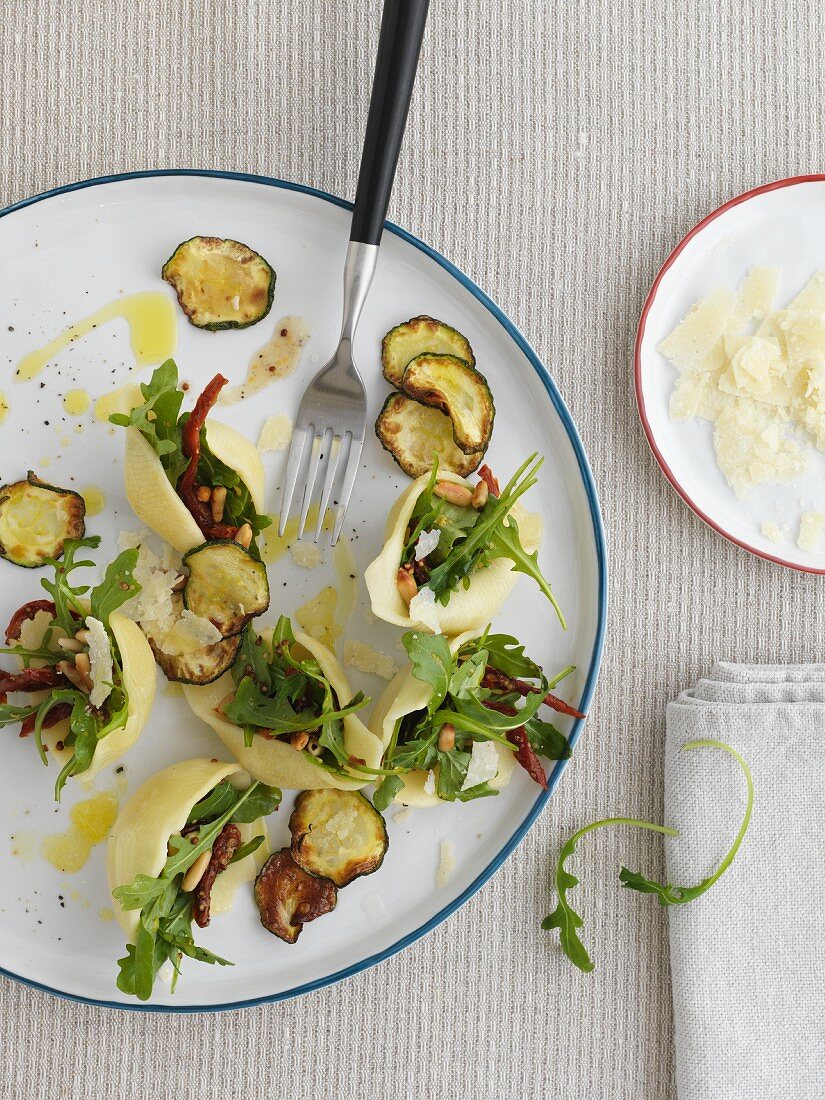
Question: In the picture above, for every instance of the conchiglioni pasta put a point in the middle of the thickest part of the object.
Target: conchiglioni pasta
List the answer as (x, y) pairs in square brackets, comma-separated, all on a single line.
[(468, 608), (275, 762), (158, 810), (154, 499), (139, 682), (405, 695)]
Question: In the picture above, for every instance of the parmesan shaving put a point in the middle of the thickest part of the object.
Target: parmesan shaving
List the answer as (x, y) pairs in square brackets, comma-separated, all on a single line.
[(446, 864), (423, 609), (759, 373), (366, 659), (306, 554), (189, 634), (773, 532), (276, 434), (429, 783), (100, 657), (427, 542), (811, 526), (483, 765)]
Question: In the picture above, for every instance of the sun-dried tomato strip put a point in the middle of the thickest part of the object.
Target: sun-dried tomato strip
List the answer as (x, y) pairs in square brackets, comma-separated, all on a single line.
[(58, 712), (24, 614), (32, 679), (525, 754), (499, 681), (224, 848), (191, 444), (486, 474)]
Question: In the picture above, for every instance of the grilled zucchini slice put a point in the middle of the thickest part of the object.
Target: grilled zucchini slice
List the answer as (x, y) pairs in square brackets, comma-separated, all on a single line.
[(287, 897), (225, 585), (220, 283), (337, 835), (201, 666), (412, 432), (450, 384), (415, 337), (36, 519)]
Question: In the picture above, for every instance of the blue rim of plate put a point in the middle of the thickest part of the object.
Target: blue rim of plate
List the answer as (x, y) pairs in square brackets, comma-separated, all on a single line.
[(598, 645)]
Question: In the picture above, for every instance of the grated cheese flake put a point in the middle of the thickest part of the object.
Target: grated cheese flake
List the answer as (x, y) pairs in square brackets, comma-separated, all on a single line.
[(483, 764), (446, 863), (811, 526), (189, 634), (773, 531), (427, 542), (423, 609), (429, 783), (366, 659), (100, 657), (276, 434), (306, 554)]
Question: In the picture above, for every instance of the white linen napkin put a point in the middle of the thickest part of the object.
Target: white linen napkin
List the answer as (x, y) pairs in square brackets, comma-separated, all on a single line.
[(748, 957)]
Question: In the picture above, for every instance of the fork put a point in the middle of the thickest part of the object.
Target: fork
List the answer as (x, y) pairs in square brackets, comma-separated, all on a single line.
[(332, 417)]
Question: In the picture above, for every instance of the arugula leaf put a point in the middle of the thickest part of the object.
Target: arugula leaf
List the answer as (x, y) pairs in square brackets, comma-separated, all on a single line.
[(568, 921), (247, 849), (452, 771), (547, 740), (117, 587), (432, 663), (505, 543), (164, 929), (68, 610), (250, 707), (506, 654), (465, 681), (163, 400), (217, 802), (385, 794)]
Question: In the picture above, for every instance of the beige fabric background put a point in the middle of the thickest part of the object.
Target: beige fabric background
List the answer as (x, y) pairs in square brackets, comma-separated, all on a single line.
[(556, 152)]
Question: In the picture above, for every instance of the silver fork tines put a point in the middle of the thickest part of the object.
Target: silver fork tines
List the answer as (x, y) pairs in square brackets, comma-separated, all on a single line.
[(332, 418)]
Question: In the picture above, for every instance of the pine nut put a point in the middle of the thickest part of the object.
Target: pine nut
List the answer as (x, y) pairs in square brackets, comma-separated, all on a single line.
[(407, 587), (83, 636), (218, 503), (244, 536), (73, 676), (179, 584), (446, 737), (196, 872), (71, 645), (299, 740), (480, 494), (83, 664), (203, 493), (453, 492)]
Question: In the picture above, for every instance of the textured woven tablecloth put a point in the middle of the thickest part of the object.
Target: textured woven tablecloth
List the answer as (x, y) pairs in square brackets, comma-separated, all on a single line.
[(570, 145)]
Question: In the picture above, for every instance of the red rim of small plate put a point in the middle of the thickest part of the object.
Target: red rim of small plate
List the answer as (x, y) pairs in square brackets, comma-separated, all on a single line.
[(816, 177)]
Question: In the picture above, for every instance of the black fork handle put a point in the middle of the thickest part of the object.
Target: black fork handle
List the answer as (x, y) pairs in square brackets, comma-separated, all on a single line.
[(402, 30)]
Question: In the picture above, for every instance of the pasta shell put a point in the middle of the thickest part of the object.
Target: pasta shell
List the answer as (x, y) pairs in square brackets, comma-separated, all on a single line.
[(153, 497), (276, 762), (468, 608), (406, 694), (157, 810)]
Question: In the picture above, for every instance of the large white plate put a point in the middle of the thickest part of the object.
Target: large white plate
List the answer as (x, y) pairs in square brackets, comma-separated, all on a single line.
[(73, 250), (781, 224)]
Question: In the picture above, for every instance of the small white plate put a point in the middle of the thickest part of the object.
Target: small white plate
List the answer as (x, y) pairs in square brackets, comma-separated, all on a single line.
[(71, 252), (779, 225)]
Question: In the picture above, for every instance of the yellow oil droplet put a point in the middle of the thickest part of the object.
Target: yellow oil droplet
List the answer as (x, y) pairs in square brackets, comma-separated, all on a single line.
[(45, 461), (106, 915), (79, 429), (4, 407), (94, 817), (95, 500), (65, 441), (77, 402), (347, 574), (92, 821), (317, 617), (275, 545), (122, 400), (153, 332), (67, 852), (24, 846)]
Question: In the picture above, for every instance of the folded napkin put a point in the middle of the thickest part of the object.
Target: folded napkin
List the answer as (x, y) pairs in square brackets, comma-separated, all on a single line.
[(748, 957)]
